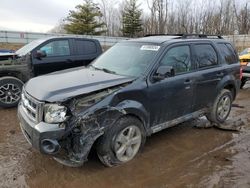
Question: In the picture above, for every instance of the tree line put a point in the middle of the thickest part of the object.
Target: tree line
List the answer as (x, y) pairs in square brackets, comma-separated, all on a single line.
[(131, 18)]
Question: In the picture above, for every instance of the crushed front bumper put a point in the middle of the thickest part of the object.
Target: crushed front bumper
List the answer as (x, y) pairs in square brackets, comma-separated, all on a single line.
[(36, 134)]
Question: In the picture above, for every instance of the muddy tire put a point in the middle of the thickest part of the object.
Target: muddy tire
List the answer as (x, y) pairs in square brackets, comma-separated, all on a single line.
[(121, 142), (221, 107), (10, 91)]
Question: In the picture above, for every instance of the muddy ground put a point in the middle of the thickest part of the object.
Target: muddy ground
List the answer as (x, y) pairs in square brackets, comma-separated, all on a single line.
[(182, 156)]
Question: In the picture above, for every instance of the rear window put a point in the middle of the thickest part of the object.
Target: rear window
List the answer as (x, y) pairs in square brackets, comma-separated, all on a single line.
[(85, 47), (227, 53), (205, 55)]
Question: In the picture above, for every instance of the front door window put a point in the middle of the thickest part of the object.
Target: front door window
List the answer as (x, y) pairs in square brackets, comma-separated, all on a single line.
[(57, 48), (179, 58)]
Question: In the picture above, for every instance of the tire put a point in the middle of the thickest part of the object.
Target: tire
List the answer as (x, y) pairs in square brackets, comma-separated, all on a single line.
[(243, 82), (10, 91), (221, 107), (115, 147)]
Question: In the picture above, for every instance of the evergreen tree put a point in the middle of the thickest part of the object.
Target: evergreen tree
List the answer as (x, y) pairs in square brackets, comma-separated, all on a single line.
[(131, 19), (85, 20)]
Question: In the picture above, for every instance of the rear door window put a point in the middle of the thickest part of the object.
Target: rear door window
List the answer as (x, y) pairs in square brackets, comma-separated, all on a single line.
[(205, 55), (85, 47), (57, 48), (228, 56)]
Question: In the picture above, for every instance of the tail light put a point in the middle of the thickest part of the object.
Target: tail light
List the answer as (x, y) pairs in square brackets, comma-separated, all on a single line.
[(240, 72)]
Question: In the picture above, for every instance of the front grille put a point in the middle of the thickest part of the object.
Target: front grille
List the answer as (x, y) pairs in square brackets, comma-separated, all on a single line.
[(32, 107)]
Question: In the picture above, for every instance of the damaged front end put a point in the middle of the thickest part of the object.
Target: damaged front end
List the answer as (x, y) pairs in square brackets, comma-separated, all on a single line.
[(83, 120)]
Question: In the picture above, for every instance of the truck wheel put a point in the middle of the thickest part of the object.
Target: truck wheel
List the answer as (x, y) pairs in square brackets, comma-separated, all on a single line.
[(243, 82), (221, 107), (122, 142), (10, 91)]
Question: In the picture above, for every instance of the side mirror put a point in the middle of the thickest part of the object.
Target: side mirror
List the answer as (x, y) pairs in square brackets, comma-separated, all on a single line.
[(40, 54), (163, 72)]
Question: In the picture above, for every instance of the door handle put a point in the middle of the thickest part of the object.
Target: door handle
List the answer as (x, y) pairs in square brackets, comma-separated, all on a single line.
[(220, 74), (188, 81)]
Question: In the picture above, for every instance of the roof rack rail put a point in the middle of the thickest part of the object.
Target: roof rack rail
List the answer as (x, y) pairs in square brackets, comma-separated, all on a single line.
[(201, 36), (151, 35), (186, 36)]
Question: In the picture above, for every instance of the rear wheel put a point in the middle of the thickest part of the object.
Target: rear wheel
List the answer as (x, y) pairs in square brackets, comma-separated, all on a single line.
[(10, 91), (221, 107), (122, 142)]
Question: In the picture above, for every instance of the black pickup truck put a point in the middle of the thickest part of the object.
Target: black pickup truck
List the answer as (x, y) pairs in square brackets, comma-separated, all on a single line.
[(40, 57)]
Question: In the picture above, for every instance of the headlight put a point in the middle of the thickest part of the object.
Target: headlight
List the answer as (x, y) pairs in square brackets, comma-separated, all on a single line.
[(54, 113)]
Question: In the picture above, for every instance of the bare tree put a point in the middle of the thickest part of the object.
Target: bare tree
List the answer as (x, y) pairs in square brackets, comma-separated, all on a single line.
[(242, 18), (111, 16)]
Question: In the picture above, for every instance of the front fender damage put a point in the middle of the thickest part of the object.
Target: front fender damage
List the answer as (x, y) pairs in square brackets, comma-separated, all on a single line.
[(82, 132)]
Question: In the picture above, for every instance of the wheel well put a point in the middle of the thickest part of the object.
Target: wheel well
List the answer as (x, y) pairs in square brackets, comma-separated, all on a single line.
[(13, 74), (231, 88), (137, 117), (93, 148)]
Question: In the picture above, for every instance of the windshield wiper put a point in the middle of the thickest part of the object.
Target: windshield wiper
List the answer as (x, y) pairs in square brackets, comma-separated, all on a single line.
[(108, 71), (103, 69)]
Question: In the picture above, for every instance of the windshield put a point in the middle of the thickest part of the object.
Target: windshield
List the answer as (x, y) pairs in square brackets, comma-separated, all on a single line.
[(129, 59), (246, 51), (28, 47)]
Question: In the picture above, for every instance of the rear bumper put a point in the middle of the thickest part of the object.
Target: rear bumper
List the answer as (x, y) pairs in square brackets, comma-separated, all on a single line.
[(37, 133)]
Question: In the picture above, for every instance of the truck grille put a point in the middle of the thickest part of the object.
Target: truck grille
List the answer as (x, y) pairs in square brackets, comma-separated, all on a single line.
[(32, 107)]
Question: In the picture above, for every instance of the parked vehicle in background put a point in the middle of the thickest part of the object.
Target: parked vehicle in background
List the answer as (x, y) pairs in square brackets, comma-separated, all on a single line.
[(6, 51), (245, 63), (135, 89), (39, 57)]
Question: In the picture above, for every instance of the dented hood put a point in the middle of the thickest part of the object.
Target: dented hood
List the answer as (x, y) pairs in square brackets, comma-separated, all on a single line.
[(62, 85)]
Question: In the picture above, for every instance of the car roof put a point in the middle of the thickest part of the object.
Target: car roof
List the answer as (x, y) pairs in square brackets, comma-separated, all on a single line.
[(154, 39), (160, 39), (64, 37)]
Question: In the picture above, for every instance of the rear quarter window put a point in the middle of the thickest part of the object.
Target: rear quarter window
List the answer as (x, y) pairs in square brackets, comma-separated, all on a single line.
[(85, 47), (227, 53)]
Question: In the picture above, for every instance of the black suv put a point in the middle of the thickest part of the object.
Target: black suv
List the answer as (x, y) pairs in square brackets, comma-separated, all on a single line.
[(39, 57), (135, 89)]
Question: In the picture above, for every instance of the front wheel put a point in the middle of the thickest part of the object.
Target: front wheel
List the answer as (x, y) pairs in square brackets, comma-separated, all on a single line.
[(221, 107), (122, 142), (10, 91)]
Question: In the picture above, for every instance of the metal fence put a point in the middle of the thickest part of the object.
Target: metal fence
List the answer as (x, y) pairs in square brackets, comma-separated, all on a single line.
[(26, 37), (240, 41)]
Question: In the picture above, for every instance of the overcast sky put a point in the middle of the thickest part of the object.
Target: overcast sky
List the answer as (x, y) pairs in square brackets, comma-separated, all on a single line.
[(33, 15)]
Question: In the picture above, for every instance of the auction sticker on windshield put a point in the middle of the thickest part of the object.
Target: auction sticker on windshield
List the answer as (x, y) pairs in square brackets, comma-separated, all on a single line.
[(150, 47)]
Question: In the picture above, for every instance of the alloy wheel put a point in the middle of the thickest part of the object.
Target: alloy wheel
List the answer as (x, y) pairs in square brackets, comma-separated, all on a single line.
[(127, 143), (9, 93)]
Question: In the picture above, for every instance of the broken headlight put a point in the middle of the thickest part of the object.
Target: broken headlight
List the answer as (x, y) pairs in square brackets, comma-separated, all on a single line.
[(54, 113)]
